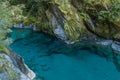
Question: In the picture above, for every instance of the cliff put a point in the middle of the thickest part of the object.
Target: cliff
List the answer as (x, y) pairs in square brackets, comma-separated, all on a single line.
[(73, 20)]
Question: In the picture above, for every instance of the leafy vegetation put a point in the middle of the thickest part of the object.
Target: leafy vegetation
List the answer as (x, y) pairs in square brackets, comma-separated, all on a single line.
[(5, 23), (8, 15)]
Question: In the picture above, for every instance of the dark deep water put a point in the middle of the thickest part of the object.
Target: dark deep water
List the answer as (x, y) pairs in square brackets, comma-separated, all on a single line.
[(51, 59)]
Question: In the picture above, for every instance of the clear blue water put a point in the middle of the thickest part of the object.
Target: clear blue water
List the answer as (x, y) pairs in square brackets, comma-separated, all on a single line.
[(51, 59)]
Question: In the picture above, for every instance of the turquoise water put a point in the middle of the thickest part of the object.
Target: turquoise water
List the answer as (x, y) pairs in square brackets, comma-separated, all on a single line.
[(51, 59)]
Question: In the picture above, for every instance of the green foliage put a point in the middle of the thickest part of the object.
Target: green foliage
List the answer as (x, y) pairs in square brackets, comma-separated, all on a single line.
[(111, 15), (8, 15), (5, 23), (17, 13)]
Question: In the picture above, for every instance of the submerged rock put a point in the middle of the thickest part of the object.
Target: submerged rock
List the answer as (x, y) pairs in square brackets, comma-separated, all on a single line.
[(114, 51)]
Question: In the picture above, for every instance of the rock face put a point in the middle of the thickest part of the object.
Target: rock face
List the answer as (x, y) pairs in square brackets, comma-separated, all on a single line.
[(12, 67), (73, 20), (68, 18)]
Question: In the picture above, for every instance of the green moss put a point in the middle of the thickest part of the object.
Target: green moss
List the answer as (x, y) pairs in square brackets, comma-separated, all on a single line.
[(29, 20), (1, 68)]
